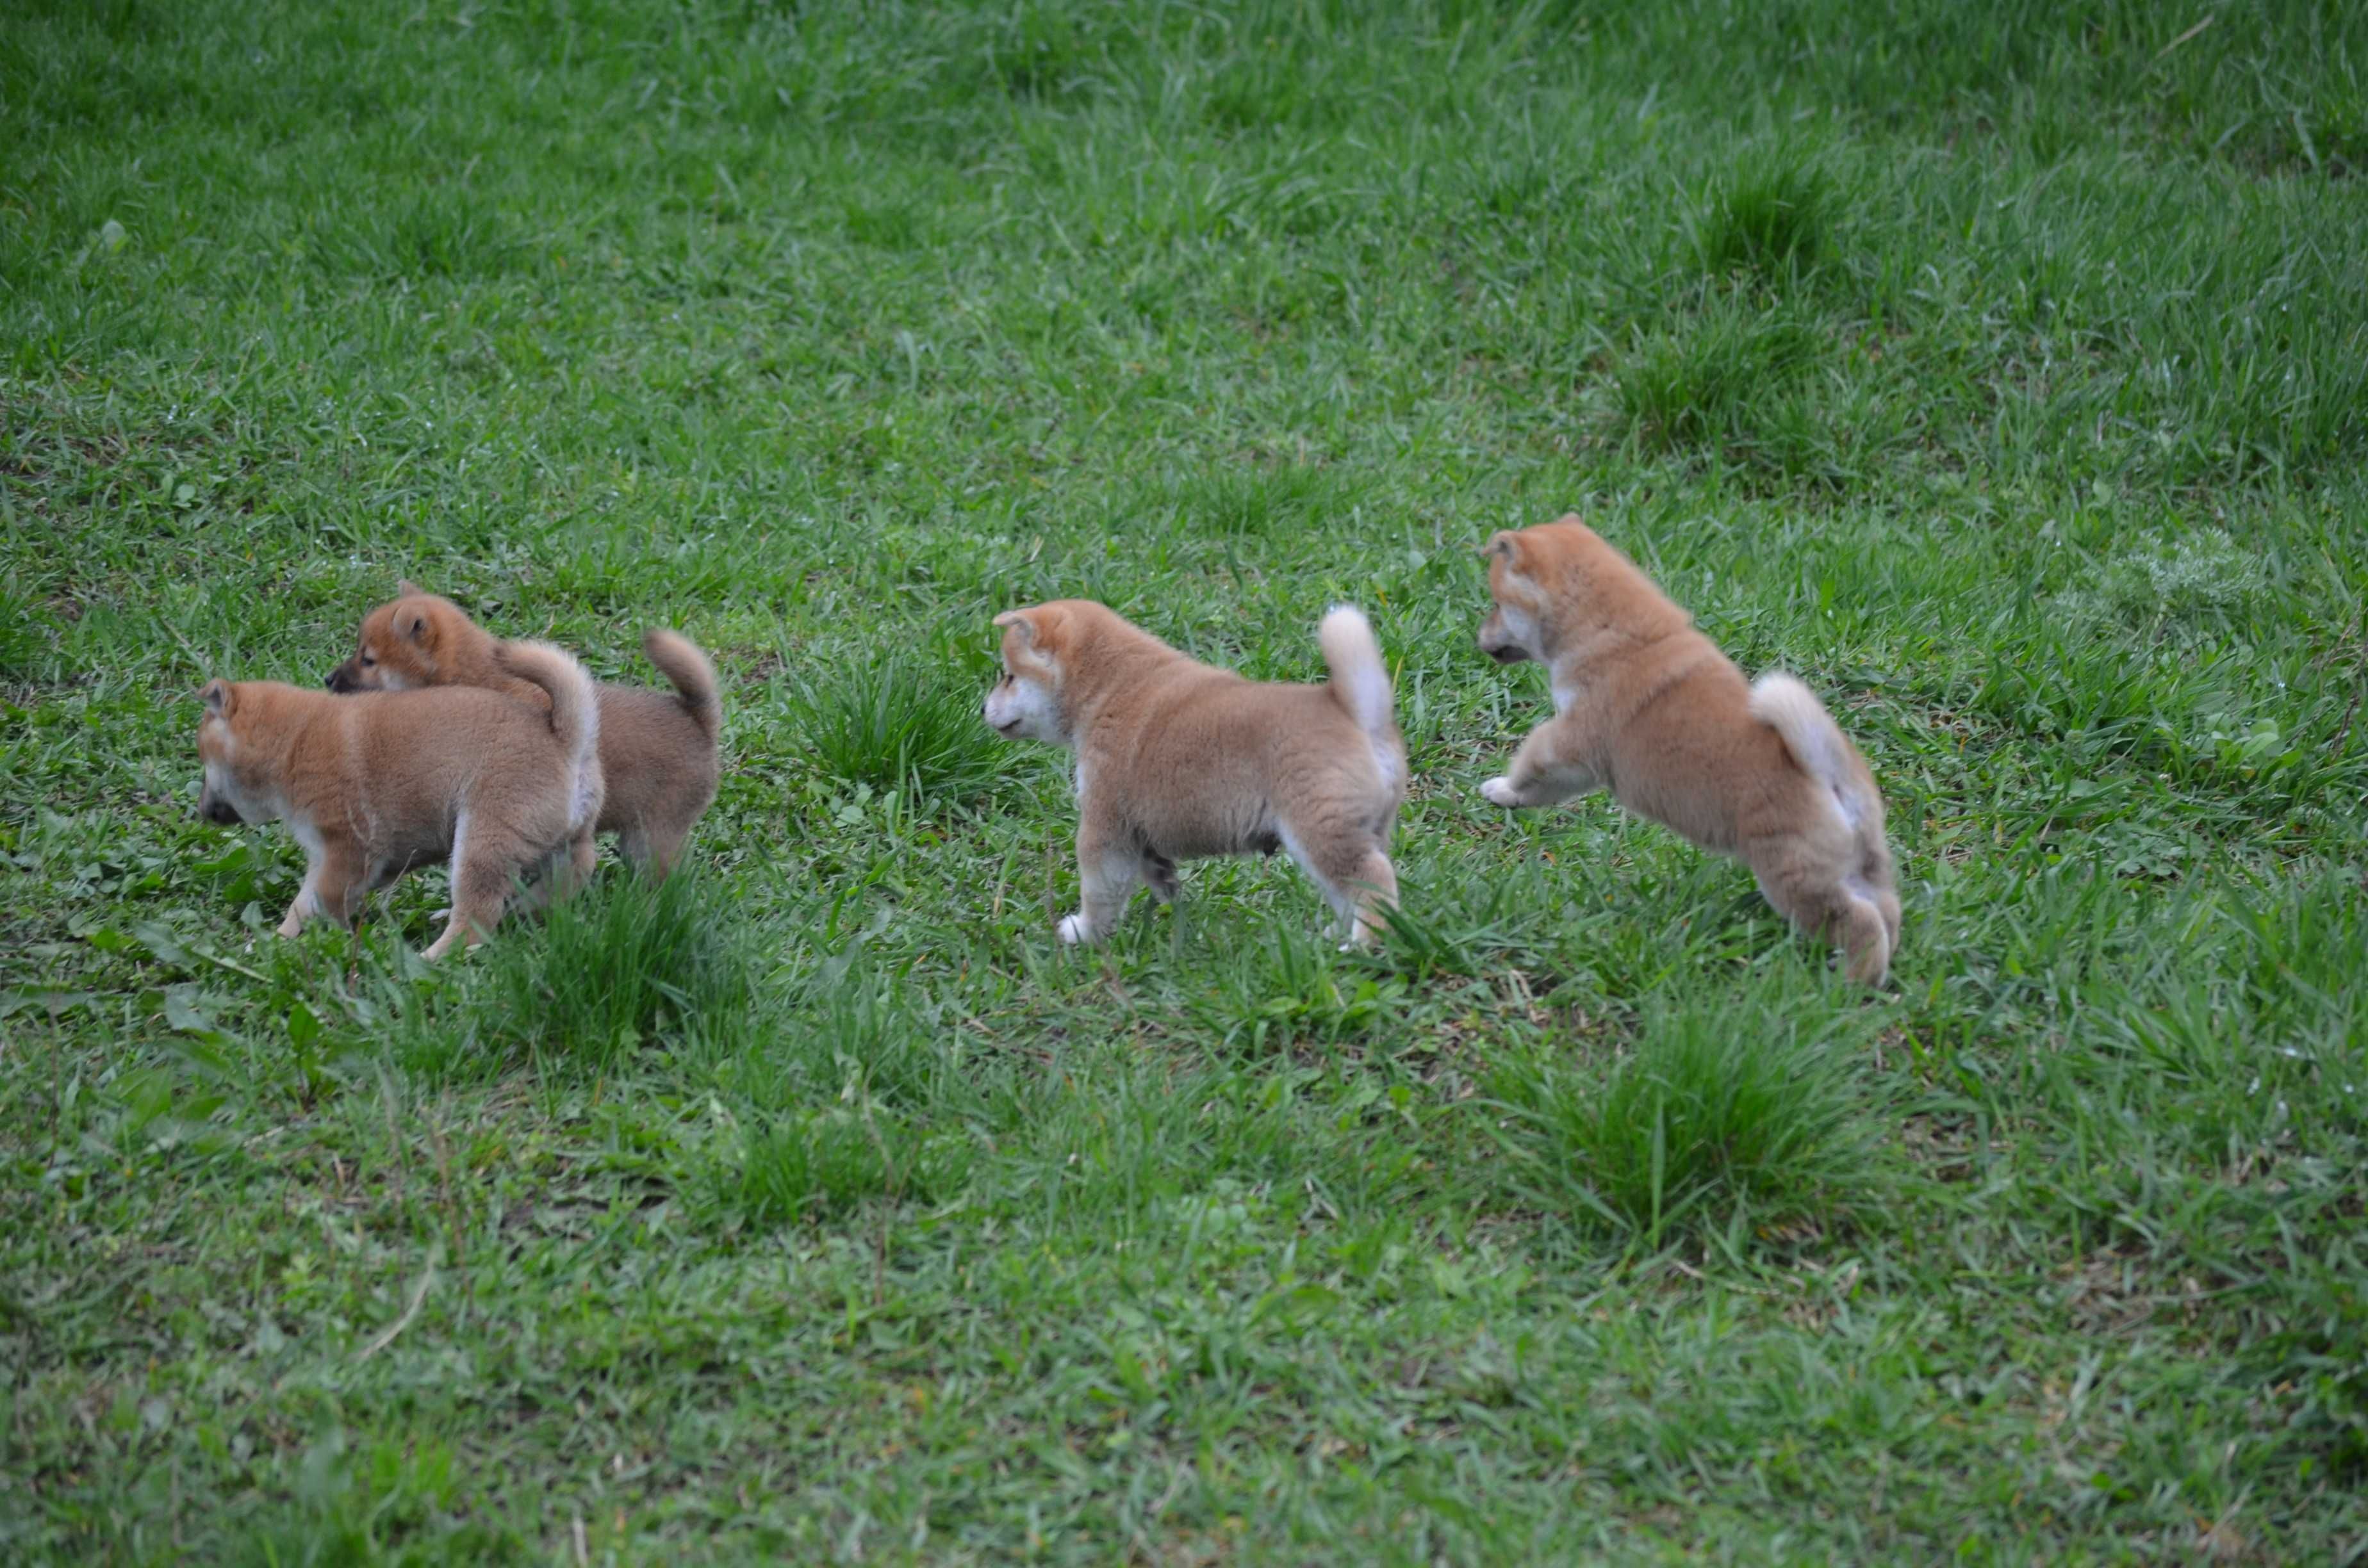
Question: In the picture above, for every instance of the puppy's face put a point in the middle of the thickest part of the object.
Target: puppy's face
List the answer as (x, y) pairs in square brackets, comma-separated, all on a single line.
[(396, 651), (228, 796), (1543, 585), (1512, 631), (1024, 702)]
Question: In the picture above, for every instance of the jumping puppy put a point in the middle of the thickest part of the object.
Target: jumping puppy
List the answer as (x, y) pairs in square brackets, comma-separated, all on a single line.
[(1648, 708), (1176, 760), (658, 749), (372, 786)]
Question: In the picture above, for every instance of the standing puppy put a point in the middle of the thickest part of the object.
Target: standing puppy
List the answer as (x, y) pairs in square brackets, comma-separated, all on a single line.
[(1648, 708), (372, 786), (658, 749), (1177, 760)]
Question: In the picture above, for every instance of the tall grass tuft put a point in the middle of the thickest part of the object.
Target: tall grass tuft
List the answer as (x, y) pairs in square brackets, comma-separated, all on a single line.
[(1253, 502), (1703, 1129), (801, 1166), (621, 966), (1772, 218), (901, 722), (1714, 380)]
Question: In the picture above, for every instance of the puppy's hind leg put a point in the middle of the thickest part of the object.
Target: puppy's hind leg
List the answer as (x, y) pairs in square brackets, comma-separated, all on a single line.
[(1833, 912), (1874, 871), (1375, 889), (574, 871), (558, 876), (482, 865), (656, 846), (1357, 877)]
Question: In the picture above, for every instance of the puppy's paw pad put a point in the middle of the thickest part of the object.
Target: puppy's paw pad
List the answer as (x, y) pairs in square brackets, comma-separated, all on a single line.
[(1072, 928), (1500, 791)]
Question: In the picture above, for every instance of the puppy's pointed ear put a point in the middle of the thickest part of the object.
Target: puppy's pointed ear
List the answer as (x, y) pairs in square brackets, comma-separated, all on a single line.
[(407, 589), (1507, 543), (1018, 620), (415, 625), (219, 696)]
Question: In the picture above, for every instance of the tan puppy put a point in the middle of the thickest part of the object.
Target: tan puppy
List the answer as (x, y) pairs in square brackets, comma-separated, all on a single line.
[(1176, 760), (372, 786), (657, 750), (1648, 708)]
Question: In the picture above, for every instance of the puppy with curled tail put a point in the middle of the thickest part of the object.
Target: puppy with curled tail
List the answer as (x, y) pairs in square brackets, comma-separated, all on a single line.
[(658, 750), (1650, 708), (1176, 760), (375, 785)]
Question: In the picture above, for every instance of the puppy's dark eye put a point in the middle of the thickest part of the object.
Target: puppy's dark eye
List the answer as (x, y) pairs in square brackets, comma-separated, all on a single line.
[(368, 660)]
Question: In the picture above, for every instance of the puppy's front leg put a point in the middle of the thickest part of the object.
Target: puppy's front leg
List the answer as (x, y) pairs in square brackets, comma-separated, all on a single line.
[(333, 886), (1107, 869), (1548, 768)]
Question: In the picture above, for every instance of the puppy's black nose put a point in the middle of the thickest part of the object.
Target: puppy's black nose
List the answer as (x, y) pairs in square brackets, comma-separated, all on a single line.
[(339, 680), (221, 812), (1507, 654)]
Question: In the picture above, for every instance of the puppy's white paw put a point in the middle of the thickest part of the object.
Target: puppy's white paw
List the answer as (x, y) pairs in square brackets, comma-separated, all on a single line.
[(1073, 928), (1500, 791)]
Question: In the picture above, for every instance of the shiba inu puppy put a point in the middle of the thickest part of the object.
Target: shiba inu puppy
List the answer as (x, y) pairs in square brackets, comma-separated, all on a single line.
[(372, 786), (658, 749), (1648, 708), (1175, 760)]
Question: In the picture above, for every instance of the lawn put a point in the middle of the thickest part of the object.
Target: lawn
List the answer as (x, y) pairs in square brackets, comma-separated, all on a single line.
[(2002, 371)]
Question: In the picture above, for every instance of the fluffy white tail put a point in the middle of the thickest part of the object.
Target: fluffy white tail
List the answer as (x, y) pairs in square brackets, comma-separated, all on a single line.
[(1815, 742), (1361, 681), (575, 717)]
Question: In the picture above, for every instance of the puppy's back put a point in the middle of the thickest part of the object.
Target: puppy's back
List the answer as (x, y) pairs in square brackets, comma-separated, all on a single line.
[(440, 738)]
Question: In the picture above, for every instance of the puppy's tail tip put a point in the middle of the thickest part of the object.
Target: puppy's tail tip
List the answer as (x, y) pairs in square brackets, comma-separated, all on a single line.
[(692, 677), (1360, 679), (1361, 683), (1809, 733)]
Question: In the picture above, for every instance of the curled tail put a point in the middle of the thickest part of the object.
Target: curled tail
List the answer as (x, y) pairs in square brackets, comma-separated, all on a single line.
[(1361, 683), (1870, 928), (693, 678), (1818, 744), (575, 717)]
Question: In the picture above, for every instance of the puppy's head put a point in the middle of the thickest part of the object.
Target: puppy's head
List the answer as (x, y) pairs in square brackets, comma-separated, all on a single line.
[(399, 645), (228, 796), (1535, 575), (1025, 701)]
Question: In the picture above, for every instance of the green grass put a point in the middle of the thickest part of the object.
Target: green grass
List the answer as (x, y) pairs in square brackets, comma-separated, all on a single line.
[(2003, 370), (890, 719)]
